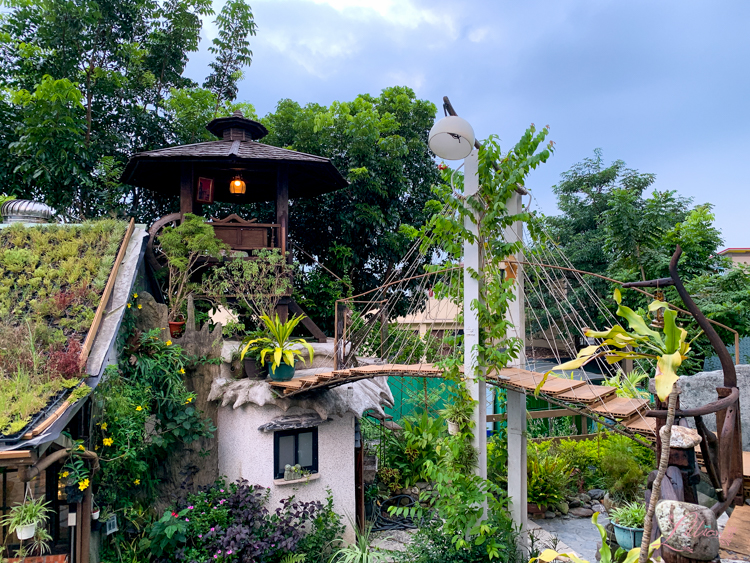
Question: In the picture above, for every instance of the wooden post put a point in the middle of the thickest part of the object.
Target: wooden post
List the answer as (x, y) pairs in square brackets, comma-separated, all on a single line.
[(383, 331), (282, 219), (339, 358), (359, 480), (186, 189)]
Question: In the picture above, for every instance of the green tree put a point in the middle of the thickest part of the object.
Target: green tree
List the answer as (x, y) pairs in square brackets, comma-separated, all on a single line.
[(379, 143), (232, 50)]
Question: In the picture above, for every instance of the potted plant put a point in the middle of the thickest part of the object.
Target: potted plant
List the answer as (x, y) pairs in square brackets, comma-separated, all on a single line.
[(628, 522), (23, 518), (278, 346), (458, 414), (186, 248), (253, 366)]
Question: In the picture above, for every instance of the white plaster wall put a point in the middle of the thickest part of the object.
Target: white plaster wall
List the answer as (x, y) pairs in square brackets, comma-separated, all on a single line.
[(247, 453)]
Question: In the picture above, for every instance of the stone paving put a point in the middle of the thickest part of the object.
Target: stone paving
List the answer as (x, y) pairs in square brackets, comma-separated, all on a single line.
[(579, 533)]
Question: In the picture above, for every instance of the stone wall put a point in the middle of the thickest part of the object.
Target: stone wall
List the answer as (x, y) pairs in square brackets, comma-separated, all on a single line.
[(700, 389)]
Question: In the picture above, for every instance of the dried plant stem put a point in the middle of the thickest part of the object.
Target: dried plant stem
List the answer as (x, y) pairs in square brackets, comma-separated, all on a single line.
[(666, 438)]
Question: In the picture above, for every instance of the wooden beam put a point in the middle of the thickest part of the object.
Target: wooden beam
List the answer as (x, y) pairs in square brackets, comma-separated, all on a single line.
[(186, 188), (551, 413), (91, 335), (282, 208)]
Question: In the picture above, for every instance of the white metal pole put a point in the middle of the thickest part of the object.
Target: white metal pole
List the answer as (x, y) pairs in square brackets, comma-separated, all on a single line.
[(516, 402), (474, 376)]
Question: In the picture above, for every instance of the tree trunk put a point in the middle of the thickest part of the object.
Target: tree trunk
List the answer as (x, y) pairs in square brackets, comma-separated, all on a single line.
[(656, 487)]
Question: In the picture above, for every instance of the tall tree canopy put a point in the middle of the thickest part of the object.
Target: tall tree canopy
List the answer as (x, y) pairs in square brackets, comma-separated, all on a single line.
[(379, 143), (610, 225), (86, 83)]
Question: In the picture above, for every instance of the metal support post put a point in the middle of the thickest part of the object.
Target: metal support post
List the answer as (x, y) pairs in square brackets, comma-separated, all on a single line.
[(472, 370)]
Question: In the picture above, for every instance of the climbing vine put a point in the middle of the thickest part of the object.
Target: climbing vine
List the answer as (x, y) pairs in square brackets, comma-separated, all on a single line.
[(444, 234)]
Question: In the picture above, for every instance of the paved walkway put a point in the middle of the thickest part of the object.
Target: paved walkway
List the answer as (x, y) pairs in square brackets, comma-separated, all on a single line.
[(579, 533)]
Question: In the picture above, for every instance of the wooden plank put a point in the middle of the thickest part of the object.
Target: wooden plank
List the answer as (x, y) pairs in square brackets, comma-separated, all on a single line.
[(736, 535), (47, 421), (588, 394), (15, 454), (91, 335), (642, 424), (746, 464), (621, 407), (291, 384), (553, 385)]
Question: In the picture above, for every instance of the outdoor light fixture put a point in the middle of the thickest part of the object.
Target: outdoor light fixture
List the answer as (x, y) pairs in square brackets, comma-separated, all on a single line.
[(237, 186), (451, 138)]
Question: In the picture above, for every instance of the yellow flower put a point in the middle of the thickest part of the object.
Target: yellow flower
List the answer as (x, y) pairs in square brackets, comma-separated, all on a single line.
[(139, 408), (137, 482), (189, 400), (83, 485), (168, 343), (107, 441), (140, 306), (96, 448), (64, 474), (104, 425), (182, 370), (80, 447), (129, 305), (135, 296)]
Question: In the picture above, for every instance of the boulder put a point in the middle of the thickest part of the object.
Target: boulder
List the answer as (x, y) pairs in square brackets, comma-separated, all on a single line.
[(600, 508), (607, 502), (688, 529), (581, 512), (549, 514), (574, 502), (597, 494), (563, 507), (584, 497), (682, 437)]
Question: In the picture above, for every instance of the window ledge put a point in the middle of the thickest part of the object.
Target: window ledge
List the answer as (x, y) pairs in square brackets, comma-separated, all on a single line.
[(305, 479)]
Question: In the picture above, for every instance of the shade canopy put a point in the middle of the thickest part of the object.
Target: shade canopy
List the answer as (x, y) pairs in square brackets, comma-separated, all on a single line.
[(236, 153)]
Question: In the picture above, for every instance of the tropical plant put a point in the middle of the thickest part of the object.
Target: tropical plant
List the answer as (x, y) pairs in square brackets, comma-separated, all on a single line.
[(409, 450), (184, 247), (279, 344), (459, 412), (360, 551), (605, 553), (630, 515), (549, 479), (629, 384), (668, 348)]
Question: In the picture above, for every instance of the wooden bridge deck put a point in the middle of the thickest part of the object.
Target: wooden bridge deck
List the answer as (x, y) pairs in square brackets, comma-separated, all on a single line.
[(598, 402)]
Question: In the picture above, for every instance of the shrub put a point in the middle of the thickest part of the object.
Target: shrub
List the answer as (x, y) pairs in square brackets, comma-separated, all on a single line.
[(409, 450), (233, 523), (431, 544), (549, 478), (624, 465)]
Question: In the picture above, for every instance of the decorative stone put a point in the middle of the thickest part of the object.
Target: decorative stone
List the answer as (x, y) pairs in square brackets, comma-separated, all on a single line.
[(563, 507), (600, 508), (584, 497), (597, 494), (581, 512), (573, 502), (682, 437), (549, 514), (587, 505), (688, 529), (607, 502)]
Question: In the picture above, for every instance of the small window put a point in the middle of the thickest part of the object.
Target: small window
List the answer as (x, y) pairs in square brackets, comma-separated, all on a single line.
[(292, 447)]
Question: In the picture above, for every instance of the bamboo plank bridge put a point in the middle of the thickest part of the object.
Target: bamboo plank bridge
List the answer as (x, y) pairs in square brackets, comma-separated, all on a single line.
[(597, 402)]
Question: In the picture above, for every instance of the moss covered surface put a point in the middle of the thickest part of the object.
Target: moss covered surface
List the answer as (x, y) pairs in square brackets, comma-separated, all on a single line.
[(51, 281)]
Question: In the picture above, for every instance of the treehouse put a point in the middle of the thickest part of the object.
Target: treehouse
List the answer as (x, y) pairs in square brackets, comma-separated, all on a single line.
[(237, 169)]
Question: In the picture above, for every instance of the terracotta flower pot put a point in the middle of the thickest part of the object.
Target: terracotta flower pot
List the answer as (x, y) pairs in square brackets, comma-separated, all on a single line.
[(176, 328)]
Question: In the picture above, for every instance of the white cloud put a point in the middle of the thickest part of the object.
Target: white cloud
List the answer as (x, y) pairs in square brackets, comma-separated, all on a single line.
[(399, 12), (478, 34)]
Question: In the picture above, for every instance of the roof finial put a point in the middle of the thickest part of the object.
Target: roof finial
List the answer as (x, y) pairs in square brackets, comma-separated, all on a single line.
[(237, 113)]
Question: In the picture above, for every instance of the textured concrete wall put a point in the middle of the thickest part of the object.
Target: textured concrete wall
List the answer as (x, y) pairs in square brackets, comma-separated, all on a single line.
[(700, 389), (247, 453)]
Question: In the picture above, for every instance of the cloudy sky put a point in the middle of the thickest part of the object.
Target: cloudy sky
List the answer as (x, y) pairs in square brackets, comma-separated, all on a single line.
[(661, 85)]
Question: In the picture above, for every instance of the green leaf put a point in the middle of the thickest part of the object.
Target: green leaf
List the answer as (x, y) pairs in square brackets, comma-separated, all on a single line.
[(637, 324)]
